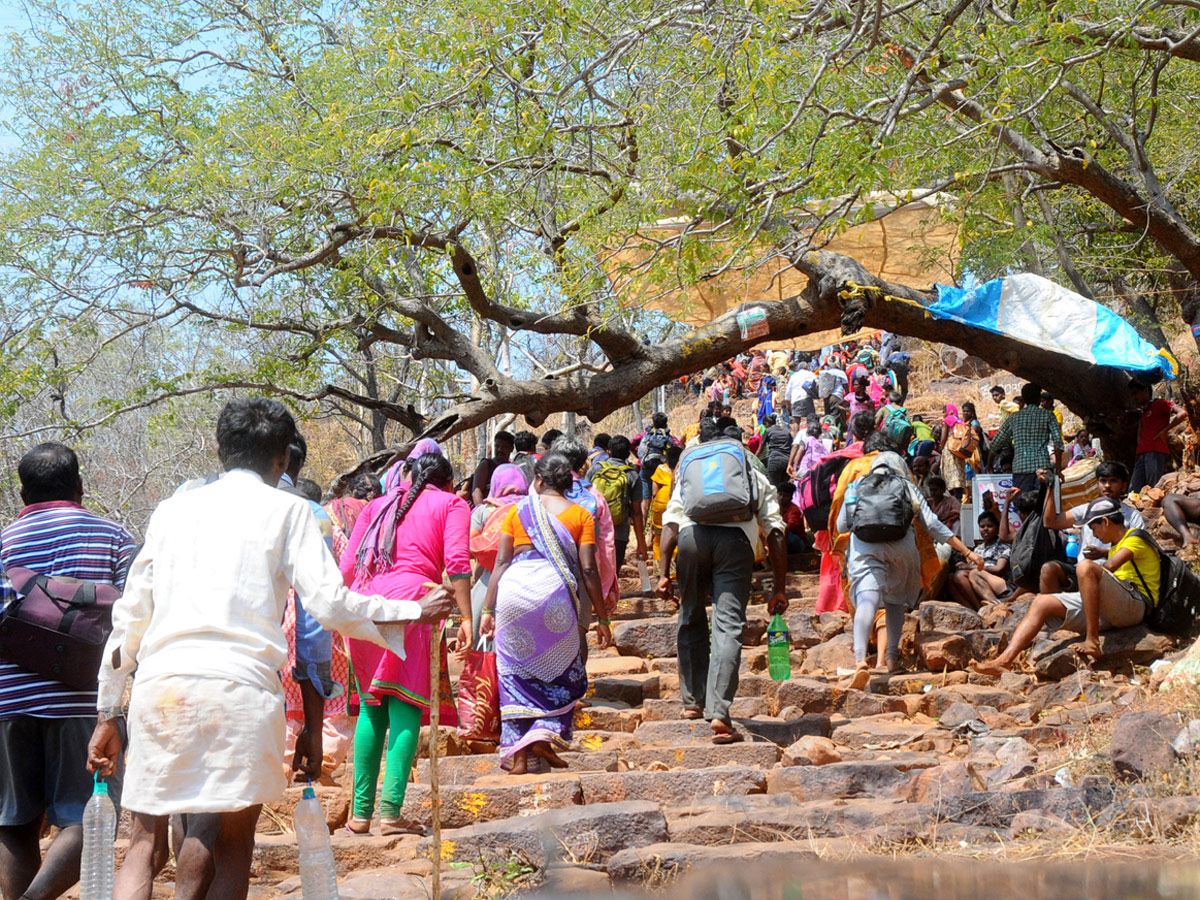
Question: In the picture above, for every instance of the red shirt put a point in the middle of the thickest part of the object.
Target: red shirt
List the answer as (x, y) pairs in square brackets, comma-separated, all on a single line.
[(1155, 417)]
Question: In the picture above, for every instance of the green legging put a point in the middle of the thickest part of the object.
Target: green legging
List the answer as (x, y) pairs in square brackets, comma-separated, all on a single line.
[(401, 723)]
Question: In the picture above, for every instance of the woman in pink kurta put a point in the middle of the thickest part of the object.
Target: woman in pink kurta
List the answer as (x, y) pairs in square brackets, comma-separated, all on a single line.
[(401, 544)]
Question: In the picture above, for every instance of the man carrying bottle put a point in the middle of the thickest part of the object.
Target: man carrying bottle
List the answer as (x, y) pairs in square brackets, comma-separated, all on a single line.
[(200, 622)]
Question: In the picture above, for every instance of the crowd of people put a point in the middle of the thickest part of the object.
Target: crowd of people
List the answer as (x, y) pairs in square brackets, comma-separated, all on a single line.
[(260, 630)]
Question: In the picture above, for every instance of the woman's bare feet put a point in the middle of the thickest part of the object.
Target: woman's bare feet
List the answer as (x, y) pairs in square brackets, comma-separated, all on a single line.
[(520, 763), (546, 752), (1089, 648), (991, 667)]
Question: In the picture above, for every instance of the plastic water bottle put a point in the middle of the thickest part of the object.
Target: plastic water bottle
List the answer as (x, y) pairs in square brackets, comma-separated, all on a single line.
[(1072, 547), (99, 855), (779, 649), (318, 875)]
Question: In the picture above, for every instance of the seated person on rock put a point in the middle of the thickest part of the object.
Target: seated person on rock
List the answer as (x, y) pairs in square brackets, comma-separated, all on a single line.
[(1113, 479), (945, 506), (1116, 594), (974, 587), (1182, 511)]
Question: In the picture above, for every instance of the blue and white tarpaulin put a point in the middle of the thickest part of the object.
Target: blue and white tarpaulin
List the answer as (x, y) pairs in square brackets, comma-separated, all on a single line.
[(1038, 312)]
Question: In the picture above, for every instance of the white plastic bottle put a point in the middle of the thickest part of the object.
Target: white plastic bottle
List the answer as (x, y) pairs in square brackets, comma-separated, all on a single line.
[(318, 875), (99, 854)]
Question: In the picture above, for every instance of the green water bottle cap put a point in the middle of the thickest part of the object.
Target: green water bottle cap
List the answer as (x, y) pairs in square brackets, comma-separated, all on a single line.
[(309, 794), (99, 786)]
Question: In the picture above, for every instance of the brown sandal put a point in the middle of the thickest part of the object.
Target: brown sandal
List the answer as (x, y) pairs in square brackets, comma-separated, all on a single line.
[(692, 713), (389, 827)]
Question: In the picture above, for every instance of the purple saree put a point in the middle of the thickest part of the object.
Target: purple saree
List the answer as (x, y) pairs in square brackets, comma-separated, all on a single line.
[(538, 657)]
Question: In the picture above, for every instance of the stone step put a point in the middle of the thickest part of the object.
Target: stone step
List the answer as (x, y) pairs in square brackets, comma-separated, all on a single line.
[(657, 710), (702, 756), (665, 862), (592, 833), (463, 805), (587, 741), (672, 788), (458, 771), (713, 825), (843, 780), (600, 666), (631, 689), (698, 731), (608, 717)]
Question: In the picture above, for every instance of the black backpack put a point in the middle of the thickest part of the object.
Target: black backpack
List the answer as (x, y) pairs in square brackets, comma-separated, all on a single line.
[(1178, 609), (884, 510), (814, 493), (1035, 546)]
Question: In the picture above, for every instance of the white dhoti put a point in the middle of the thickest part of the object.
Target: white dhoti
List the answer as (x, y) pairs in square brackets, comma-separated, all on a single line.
[(203, 745)]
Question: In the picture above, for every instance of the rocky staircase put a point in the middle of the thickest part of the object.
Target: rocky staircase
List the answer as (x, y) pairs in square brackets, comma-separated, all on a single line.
[(938, 758)]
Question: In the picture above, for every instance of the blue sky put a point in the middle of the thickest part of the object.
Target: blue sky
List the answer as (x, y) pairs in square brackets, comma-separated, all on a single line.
[(12, 17)]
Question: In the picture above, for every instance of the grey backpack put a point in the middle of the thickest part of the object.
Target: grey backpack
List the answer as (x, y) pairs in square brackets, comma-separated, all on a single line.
[(884, 511), (716, 485)]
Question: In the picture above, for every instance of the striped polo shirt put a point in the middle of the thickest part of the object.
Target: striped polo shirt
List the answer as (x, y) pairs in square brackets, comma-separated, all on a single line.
[(62, 539)]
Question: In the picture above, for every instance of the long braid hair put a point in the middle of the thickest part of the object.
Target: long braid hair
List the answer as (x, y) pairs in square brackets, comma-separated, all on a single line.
[(379, 543), (430, 468)]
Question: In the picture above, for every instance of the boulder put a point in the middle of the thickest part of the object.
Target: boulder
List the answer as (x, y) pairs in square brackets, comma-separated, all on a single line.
[(949, 780), (1141, 745), (957, 714), (596, 831), (829, 624), (811, 750), (939, 652), (880, 780), (857, 704), (1037, 822), (802, 631), (807, 694), (1122, 648), (835, 653), (935, 615), (996, 809), (986, 644), (646, 638)]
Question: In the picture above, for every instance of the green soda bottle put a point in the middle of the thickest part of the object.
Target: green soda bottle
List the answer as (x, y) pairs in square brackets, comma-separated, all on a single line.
[(779, 649)]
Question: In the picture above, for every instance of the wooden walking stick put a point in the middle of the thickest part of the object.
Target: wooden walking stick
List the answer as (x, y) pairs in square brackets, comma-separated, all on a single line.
[(435, 800)]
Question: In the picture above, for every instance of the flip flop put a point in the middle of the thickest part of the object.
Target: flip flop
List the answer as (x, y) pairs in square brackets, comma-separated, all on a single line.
[(390, 827), (692, 714), (728, 737)]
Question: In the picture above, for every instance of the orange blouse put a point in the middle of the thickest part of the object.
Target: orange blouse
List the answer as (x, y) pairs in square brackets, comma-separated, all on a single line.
[(578, 521)]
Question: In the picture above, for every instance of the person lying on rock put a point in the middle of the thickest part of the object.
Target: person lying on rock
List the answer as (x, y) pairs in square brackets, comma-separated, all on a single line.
[(1115, 594), (974, 587), (1181, 512), (1113, 480)]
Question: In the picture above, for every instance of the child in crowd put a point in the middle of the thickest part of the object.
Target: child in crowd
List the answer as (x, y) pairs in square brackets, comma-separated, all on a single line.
[(974, 587)]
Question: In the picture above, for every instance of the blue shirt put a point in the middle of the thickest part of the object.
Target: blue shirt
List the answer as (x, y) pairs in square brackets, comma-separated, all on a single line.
[(61, 539)]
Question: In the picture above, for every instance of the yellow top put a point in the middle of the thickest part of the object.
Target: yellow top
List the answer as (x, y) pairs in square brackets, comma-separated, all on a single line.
[(1147, 561)]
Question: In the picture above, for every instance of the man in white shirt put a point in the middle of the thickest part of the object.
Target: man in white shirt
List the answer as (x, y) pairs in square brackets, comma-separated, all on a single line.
[(200, 621), (801, 397)]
